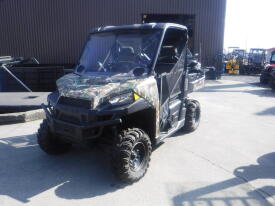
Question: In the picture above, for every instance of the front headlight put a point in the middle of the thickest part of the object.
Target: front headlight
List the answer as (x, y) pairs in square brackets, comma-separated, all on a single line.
[(126, 98)]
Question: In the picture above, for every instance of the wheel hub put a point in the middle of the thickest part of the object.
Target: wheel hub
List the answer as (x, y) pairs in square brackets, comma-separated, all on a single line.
[(137, 156)]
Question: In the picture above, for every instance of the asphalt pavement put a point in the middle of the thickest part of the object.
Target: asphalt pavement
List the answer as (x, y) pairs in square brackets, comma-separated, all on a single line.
[(228, 161)]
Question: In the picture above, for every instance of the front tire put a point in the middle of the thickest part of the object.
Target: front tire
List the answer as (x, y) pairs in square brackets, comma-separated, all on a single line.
[(193, 115), (131, 155), (49, 143)]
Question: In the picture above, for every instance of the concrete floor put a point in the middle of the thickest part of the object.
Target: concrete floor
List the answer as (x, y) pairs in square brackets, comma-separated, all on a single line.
[(228, 161), (11, 102)]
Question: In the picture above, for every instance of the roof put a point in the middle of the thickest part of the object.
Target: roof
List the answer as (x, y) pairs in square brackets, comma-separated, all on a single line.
[(258, 49), (139, 26)]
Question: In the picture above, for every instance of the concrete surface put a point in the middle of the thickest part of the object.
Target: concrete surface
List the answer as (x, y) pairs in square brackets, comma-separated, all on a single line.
[(19, 117), (228, 161), (21, 101), (251, 79)]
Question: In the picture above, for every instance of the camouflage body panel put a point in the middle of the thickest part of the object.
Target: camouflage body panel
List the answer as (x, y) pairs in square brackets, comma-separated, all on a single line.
[(97, 87), (148, 90)]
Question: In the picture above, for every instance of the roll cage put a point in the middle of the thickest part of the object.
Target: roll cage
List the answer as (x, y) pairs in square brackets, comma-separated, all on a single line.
[(164, 27)]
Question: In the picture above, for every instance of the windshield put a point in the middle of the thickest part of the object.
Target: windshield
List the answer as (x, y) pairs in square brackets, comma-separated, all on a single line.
[(258, 51), (120, 51)]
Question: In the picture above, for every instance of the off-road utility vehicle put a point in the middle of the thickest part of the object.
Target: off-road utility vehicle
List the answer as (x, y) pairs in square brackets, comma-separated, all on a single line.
[(268, 69), (256, 61), (130, 87)]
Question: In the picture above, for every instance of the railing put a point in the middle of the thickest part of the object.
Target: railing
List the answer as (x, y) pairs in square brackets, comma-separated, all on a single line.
[(7, 61)]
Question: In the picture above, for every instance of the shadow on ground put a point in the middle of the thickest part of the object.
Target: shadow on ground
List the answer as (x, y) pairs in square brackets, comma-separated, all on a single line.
[(26, 171), (267, 112), (260, 90), (265, 169), (225, 86)]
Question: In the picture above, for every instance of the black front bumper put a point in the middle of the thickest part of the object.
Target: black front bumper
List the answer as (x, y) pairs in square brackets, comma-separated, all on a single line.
[(77, 124)]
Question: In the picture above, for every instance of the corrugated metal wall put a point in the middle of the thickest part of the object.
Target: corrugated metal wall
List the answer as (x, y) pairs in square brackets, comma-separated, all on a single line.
[(54, 31)]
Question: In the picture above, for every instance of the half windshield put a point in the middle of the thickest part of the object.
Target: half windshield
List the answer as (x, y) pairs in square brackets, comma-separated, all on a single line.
[(120, 51)]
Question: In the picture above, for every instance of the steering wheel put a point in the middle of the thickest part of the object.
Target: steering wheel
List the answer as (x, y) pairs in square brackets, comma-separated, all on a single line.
[(143, 57), (122, 67), (139, 70)]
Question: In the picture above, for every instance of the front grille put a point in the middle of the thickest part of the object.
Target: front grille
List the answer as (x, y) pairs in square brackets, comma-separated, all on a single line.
[(75, 102), (105, 118), (69, 118), (64, 129), (76, 118), (91, 132)]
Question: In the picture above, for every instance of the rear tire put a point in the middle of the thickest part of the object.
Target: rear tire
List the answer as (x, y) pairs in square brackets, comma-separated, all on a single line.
[(263, 81), (131, 155), (272, 84), (49, 143), (193, 115)]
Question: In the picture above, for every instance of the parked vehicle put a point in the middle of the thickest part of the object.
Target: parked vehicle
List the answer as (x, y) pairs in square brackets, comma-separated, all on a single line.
[(269, 53), (241, 58), (266, 72), (256, 61), (129, 90), (235, 61)]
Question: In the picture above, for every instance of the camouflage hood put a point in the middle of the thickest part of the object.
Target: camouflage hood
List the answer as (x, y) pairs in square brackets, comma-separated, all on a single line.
[(96, 86)]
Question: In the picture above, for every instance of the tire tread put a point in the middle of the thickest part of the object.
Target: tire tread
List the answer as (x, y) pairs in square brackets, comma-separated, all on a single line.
[(122, 152)]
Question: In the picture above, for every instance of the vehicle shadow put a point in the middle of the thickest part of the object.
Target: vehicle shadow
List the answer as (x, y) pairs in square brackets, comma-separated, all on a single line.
[(265, 169), (26, 171), (258, 84), (267, 112), (224, 86), (261, 91)]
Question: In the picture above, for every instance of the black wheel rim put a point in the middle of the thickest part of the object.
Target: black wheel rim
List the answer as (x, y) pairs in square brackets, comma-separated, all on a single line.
[(137, 158)]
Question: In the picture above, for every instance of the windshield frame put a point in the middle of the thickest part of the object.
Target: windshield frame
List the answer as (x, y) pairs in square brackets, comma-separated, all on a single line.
[(183, 28), (154, 58)]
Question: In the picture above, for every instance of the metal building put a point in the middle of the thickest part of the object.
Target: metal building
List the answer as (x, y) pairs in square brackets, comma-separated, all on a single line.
[(55, 31)]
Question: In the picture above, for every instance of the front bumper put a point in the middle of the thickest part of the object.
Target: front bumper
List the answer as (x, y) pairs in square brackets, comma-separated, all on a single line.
[(78, 125)]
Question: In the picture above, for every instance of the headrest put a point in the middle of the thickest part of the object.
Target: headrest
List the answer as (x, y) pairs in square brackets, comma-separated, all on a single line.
[(126, 54), (168, 51)]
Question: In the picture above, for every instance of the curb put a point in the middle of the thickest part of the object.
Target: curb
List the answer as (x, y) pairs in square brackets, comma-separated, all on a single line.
[(21, 117)]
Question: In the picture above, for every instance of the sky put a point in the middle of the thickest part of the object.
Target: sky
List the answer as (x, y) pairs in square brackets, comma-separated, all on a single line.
[(250, 24)]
